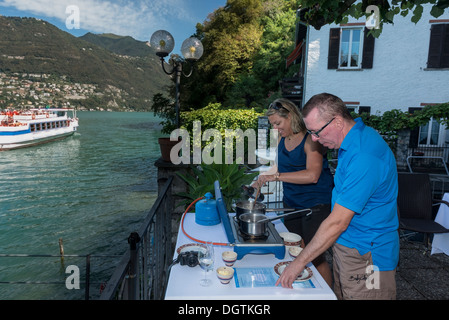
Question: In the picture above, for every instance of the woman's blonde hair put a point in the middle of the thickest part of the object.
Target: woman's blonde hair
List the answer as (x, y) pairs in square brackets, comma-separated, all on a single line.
[(283, 107)]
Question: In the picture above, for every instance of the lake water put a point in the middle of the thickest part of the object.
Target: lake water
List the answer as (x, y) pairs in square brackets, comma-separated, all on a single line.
[(91, 189)]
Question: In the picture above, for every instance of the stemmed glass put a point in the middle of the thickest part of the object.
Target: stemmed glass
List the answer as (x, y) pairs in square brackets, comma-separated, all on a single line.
[(206, 260)]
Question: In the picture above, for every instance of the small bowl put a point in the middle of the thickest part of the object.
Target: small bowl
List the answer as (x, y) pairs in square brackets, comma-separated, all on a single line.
[(294, 251), (229, 257), (291, 239), (225, 274)]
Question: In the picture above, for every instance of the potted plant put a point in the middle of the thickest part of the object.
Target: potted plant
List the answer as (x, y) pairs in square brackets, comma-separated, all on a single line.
[(230, 176), (163, 108)]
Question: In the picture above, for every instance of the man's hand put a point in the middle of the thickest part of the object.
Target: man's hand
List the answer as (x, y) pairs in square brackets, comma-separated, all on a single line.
[(290, 273)]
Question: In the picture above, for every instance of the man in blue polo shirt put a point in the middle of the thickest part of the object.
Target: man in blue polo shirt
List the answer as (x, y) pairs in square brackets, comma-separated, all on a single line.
[(362, 226)]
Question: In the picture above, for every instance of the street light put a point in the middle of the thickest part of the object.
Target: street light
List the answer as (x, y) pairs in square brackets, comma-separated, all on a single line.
[(192, 49)]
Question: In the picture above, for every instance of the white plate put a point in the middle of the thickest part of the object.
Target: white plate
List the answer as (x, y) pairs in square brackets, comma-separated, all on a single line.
[(305, 275), (191, 247)]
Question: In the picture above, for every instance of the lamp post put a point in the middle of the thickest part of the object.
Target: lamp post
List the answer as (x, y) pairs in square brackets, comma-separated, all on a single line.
[(192, 49)]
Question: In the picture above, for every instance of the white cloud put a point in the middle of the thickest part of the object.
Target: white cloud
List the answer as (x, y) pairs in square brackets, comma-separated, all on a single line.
[(123, 17)]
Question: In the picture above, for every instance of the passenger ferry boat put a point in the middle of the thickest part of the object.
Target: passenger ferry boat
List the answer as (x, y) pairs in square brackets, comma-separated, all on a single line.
[(19, 129)]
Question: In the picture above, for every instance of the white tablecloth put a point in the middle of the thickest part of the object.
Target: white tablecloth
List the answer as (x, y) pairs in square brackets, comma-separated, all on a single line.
[(184, 281), (440, 243)]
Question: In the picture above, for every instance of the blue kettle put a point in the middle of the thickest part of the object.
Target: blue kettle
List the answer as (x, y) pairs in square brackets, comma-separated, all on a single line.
[(206, 213)]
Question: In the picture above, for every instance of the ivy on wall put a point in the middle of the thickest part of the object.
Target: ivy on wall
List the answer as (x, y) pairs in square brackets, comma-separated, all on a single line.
[(390, 122)]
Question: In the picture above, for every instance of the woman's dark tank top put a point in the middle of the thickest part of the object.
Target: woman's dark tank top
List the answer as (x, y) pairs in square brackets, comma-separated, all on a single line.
[(303, 195)]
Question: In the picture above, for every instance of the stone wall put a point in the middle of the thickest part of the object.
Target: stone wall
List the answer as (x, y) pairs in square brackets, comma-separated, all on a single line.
[(402, 149)]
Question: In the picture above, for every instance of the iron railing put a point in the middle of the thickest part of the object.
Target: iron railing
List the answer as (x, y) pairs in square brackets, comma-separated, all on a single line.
[(143, 269), (428, 158)]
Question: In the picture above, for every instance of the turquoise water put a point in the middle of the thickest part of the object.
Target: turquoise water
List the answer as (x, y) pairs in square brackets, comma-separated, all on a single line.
[(91, 189)]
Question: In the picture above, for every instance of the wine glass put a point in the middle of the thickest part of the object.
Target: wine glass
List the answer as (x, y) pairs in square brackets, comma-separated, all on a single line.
[(206, 260)]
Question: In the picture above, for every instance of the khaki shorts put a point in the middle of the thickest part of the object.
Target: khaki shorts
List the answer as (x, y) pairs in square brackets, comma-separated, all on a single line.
[(355, 277)]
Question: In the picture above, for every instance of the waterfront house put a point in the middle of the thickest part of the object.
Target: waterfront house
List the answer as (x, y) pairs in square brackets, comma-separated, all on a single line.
[(405, 68)]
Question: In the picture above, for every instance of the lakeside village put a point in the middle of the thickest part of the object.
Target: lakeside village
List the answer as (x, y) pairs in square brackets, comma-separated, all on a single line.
[(28, 91)]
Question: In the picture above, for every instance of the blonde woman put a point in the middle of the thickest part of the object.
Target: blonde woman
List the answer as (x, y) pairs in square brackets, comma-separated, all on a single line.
[(303, 170)]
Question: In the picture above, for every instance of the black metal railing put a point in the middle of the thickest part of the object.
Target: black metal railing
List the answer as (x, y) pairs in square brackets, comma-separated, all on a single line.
[(428, 158), (143, 269)]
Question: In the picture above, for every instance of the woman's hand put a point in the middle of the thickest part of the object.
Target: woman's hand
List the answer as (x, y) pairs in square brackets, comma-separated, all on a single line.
[(264, 178)]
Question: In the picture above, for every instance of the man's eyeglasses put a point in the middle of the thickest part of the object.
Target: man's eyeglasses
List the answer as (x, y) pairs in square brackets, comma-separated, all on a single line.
[(277, 106), (316, 133)]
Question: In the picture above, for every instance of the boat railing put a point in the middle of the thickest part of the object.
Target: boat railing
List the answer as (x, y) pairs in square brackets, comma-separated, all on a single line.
[(143, 270)]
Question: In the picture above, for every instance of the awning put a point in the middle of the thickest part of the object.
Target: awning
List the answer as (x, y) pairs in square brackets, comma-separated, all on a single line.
[(296, 53)]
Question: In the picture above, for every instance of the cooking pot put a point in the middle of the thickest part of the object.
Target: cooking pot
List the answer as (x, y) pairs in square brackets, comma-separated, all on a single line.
[(255, 224), (246, 206)]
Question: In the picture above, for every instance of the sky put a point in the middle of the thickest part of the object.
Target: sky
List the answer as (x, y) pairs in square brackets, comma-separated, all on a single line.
[(136, 18)]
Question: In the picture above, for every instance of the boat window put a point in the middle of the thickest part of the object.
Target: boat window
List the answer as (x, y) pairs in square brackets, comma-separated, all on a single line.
[(33, 127), (38, 126)]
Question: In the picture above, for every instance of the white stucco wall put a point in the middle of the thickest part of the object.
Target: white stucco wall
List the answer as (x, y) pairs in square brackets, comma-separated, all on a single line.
[(398, 79)]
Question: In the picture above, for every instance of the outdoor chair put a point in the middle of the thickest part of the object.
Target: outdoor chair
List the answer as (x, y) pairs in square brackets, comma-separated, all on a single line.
[(415, 205)]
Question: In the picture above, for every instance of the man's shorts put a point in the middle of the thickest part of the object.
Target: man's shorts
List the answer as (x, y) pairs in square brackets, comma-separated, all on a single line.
[(356, 278)]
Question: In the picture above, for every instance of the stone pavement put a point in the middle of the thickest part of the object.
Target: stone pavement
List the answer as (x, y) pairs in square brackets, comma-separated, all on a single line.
[(420, 275)]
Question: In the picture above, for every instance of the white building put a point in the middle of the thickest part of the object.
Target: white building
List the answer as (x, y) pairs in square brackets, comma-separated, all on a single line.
[(406, 68)]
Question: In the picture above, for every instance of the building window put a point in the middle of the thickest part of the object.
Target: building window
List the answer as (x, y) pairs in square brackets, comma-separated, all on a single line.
[(350, 48), (439, 46), (429, 134), (364, 109), (352, 106)]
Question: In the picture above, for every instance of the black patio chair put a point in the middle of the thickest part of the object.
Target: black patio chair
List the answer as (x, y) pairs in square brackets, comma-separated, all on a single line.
[(415, 205)]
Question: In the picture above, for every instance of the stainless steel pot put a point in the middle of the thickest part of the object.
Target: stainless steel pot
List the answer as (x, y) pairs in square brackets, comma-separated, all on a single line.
[(255, 224), (243, 207)]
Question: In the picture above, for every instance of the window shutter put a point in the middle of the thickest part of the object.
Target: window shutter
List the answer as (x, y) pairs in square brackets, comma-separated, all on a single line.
[(435, 48), (334, 48), (445, 50), (368, 50), (438, 46)]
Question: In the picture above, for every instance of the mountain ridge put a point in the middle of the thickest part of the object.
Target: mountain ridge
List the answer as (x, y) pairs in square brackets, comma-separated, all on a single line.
[(125, 72)]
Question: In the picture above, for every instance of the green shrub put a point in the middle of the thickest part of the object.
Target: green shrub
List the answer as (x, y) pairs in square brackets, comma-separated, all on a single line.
[(395, 120), (390, 122), (230, 176), (213, 116)]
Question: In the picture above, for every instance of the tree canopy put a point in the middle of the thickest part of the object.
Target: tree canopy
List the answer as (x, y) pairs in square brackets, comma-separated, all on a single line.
[(246, 44)]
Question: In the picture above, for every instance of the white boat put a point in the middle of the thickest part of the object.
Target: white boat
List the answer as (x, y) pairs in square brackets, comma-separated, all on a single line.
[(19, 129)]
